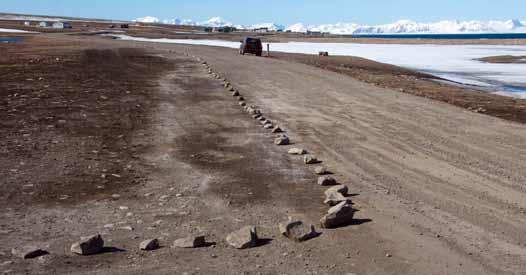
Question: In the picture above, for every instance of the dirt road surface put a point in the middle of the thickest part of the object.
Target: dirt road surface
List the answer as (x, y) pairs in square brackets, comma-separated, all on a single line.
[(440, 190)]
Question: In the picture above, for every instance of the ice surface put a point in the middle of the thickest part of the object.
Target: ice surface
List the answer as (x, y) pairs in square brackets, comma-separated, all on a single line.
[(13, 31), (453, 62)]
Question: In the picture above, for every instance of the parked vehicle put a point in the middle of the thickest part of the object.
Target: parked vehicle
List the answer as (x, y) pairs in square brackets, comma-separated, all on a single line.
[(252, 46)]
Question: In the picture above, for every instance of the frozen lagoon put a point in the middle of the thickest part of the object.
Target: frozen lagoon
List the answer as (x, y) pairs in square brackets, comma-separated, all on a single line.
[(453, 62)]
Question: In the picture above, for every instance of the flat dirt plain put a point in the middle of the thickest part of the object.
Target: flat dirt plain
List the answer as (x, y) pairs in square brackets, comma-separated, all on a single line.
[(136, 140)]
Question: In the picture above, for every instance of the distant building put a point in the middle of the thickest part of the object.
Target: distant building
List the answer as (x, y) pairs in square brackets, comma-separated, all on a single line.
[(313, 33), (27, 23), (61, 25), (45, 24), (125, 26), (261, 30), (224, 29)]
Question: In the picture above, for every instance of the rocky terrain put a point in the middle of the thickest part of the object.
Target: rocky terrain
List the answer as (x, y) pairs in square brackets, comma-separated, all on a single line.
[(134, 158)]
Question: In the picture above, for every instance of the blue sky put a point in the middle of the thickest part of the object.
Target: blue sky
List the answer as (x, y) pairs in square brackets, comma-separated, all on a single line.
[(279, 11)]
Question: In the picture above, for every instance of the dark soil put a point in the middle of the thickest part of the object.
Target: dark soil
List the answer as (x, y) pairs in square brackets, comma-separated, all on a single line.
[(68, 114)]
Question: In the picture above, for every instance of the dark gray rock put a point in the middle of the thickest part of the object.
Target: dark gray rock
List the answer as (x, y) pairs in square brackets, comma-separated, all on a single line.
[(326, 181), (88, 245)]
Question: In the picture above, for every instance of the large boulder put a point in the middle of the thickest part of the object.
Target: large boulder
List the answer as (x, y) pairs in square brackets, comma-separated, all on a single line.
[(243, 238), (190, 242), (297, 230), (326, 181), (88, 245), (339, 215), (149, 245), (28, 252)]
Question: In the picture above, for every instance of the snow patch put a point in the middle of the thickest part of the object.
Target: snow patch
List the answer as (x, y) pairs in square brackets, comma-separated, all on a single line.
[(15, 31), (147, 19)]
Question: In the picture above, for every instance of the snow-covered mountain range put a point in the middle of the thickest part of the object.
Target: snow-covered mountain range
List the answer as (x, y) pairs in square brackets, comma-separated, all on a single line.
[(399, 27)]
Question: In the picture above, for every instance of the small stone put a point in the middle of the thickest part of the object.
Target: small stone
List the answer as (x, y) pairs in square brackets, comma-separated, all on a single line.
[(320, 170), (297, 230), (262, 118), (149, 245), (256, 116), (127, 228), (235, 93), (241, 98), (115, 196), (164, 197), (190, 242), (253, 111), (277, 130), (310, 159), (268, 126), (88, 246), (336, 195), (326, 181), (282, 140), (297, 151), (338, 215), (244, 238), (242, 103), (28, 252), (109, 225), (267, 122), (231, 89), (342, 189)]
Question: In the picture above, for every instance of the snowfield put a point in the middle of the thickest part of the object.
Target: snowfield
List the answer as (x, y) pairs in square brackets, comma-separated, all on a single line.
[(455, 63), (399, 27), (14, 31)]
